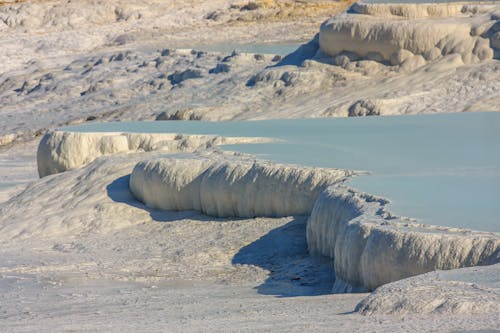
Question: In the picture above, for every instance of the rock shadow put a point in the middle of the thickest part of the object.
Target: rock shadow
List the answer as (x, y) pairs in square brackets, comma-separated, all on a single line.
[(293, 272), (305, 51), (282, 251)]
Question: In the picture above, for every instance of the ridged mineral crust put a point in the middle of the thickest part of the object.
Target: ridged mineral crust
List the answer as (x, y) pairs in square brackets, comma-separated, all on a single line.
[(230, 187), (370, 248), (59, 151), (410, 33)]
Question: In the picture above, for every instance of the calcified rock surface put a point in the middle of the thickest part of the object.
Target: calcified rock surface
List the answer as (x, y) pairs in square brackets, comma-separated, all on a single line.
[(79, 253), (60, 151), (231, 188), (438, 292), (369, 247), (411, 35), (110, 258)]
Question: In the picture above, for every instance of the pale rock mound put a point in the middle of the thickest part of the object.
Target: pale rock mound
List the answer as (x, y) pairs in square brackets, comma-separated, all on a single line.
[(412, 34), (230, 188), (416, 10), (60, 151), (369, 247), (58, 15), (474, 290)]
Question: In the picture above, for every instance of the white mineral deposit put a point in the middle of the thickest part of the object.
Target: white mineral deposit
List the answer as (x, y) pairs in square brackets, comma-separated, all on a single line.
[(160, 170)]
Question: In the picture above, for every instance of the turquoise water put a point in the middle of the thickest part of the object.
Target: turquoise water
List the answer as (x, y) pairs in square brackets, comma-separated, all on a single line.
[(262, 48), (443, 169)]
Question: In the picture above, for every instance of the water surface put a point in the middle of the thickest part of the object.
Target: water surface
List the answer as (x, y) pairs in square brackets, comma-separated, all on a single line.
[(258, 48), (443, 169)]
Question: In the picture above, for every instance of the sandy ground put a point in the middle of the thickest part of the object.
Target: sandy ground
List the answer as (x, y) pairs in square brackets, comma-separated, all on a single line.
[(18, 167), (79, 254)]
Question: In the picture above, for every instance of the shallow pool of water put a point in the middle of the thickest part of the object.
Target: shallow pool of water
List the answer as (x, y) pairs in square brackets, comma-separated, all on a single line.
[(258, 48), (443, 169)]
